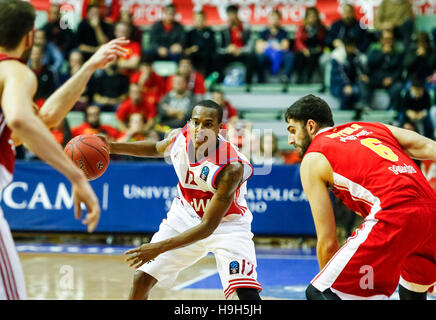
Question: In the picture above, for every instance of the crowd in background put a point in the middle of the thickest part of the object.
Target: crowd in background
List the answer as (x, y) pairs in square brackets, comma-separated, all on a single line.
[(392, 57)]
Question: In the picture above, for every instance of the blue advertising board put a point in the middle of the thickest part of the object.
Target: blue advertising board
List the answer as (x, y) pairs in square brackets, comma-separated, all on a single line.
[(135, 196)]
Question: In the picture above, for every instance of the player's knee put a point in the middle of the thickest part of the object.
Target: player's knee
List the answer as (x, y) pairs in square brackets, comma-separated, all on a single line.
[(142, 284), (313, 293), (248, 294)]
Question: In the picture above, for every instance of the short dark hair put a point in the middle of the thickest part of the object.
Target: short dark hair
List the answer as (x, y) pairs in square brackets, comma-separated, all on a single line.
[(417, 82), (213, 105), (310, 107), (232, 8), (17, 18)]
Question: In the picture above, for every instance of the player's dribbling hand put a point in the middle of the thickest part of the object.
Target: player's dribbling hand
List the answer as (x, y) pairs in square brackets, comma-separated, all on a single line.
[(143, 254), (82, 192), (105, 140), (108, 52)]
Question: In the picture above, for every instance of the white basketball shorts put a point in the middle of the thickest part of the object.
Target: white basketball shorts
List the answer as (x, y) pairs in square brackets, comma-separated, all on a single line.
[(231, 243)]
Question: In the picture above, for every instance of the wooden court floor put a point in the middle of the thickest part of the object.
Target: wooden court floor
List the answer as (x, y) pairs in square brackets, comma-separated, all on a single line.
[(102, 277)]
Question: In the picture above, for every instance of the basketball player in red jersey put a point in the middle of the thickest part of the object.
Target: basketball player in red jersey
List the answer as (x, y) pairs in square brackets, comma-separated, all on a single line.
[(368, 166), (19, 123), (209, 214)]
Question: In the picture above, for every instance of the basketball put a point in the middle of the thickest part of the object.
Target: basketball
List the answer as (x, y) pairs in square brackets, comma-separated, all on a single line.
[(90, 154)]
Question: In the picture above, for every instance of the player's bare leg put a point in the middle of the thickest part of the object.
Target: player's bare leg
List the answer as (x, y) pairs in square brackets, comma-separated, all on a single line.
[(142, 285)]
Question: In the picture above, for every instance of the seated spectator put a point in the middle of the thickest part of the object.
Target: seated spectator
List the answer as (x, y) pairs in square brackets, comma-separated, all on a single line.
[(273, 50), (129, 63), (92, 32), (240, 134), (135, 32), (167, 37), (347, 27), (134, 131), (176, 106), (92, 125), (195, 79), (75, 62), (201, 45), (52, 56), (46, 79), (135, 104), (151, 84), (230, 114), (236, 46), (420, 60), (63, 38), (109, 88), (309, 45), (384, 70), (415, 107), (397, 15), (269, 152), (344, 79)]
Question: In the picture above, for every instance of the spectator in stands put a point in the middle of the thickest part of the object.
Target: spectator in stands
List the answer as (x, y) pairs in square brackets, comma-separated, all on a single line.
[(195, 79), (269, 152), (344, 79), (347, 27), (135, 32), (397, 15), (273, 50), (201, 45), (241, 135), (151, 84), (62, 37), (176, 106), (92, 32), (384, 70), (92, 125), (415, 108), (130, 62), (167, 37), (309, 45), (420, 60), (109, 88), (236, 46), (230, 114), (75, 62), (135, 104), (135, 131), (46, 79), (52, 56)]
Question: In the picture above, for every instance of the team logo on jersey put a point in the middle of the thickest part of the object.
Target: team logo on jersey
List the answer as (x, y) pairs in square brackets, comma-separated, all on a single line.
[(204, 173), (234, 267)]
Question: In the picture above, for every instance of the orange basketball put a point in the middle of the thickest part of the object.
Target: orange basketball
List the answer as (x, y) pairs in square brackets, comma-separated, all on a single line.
[(90, 154)]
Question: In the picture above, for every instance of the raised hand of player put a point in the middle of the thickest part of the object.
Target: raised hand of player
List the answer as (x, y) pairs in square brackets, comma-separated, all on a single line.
[(108, 53), (82, 192), (143, 254)]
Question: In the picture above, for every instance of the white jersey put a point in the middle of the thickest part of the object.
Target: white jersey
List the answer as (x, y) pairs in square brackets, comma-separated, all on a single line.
[(197, 181)]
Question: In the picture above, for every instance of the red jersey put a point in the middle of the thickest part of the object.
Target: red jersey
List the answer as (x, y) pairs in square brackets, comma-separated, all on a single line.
[(370, 169), (7, 148), (195, 83), (85, 128), (127, 108)]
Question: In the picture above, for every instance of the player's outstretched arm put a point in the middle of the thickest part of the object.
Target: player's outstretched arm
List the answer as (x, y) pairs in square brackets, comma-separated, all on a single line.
[(18, 90), (141, 148), (228, 182), (316, 174), (415, 145), (63, 100)]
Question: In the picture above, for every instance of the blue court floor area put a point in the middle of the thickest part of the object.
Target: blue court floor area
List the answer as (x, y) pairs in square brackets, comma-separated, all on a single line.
[(283, 273)]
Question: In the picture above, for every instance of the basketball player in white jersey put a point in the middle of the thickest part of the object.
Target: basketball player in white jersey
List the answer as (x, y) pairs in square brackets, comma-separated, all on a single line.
[(210, 213), (19, 123)]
